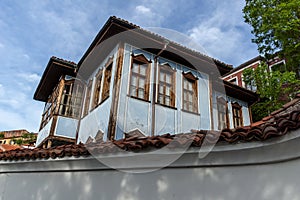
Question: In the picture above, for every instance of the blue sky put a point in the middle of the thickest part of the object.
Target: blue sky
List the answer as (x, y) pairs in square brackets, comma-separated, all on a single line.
[(32, 31)]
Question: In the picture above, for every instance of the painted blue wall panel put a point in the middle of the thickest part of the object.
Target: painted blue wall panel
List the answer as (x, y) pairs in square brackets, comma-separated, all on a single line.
[(66, 127), (164, 120), (137, 116)]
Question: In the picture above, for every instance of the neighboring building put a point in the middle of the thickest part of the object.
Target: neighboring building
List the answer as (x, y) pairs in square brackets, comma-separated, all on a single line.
[(235, 76), (10, 137), (138, 83)]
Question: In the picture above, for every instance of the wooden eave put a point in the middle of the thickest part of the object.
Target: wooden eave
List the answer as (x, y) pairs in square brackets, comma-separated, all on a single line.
[(149, 41), (51, 76), (235, 91)]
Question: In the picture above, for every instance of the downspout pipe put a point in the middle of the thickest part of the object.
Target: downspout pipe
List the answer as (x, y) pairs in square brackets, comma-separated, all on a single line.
[(166, 43)]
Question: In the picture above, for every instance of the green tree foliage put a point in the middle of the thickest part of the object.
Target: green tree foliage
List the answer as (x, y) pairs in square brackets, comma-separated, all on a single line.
[(25, 139), (274, 88), (276, 26)]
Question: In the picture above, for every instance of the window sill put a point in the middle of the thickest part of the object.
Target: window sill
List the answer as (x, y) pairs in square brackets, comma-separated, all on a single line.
[(191, 112), (171, 107), (139, 99), (103, 101), (94, 108)]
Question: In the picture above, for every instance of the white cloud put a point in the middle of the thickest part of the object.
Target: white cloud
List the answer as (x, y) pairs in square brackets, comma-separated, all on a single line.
[(30, 77), (142, 9), (153, 14), (222, 33), (1, 91)]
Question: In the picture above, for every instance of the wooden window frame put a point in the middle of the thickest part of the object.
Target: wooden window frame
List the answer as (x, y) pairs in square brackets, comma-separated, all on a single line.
[(166, 68), (140, 60), (107, 80), (97, 89), (53, 104), (194, 80), (71, 99), (221, 101), (239, 117), (88, 92)]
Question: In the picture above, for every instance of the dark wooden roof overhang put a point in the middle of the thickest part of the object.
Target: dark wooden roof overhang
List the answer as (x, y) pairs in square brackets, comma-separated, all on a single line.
[(117, 30), (56, 67), (235, 91)]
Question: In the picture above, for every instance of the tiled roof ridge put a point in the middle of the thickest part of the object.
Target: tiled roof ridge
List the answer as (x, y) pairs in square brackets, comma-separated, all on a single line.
[(279, 127), (64, 61), (176, 43), (15, 130), (244, 64)]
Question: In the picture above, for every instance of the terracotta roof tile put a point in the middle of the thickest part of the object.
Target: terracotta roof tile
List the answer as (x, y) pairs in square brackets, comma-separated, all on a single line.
[(64, 61), (8, 147), (274, 127)]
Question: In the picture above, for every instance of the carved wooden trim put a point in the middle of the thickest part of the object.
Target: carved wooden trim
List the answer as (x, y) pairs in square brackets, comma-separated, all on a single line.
[(190, 75), (134, 133), (140, 58)]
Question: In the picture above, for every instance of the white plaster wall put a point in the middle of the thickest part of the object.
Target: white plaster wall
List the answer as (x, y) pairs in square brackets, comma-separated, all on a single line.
[(257, 170), (230, 183), (254, 170)]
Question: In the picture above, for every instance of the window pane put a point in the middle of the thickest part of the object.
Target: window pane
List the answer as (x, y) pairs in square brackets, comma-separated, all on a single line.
[(143, 69), (141, 93), (160, 99), (185, 105), (161, 89), (162, 77), (132, 90), (167, 101), (135, 68), (190, 86), (168, 78), (190, 96), (168, 91), (185, 84), (141, 83)]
